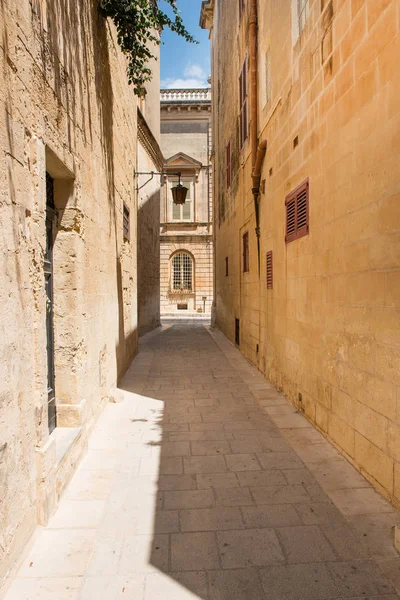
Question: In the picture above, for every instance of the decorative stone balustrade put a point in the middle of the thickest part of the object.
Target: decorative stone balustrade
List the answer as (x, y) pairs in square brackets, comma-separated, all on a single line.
[(192, 95)]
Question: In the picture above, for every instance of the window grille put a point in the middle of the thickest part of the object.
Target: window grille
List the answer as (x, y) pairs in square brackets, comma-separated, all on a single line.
[(297, 213), (126, 222), (270, 280), (182, 272), (243, 93), (303, 12), (246, 258)]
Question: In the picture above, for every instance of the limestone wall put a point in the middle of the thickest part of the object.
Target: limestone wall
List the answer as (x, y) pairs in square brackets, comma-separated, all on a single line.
[(330, 328), (201, 251), (148, 244), (65, 108)]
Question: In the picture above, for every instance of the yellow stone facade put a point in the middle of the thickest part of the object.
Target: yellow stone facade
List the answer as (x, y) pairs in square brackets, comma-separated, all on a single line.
[(186, 231), (328, 104), (66, 109)]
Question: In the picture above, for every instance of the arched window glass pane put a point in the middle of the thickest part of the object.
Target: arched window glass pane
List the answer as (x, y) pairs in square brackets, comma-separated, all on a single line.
[(182, 272), (187, 272)]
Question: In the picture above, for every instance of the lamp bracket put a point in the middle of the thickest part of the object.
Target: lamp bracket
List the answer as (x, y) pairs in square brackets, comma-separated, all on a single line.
[(152, 173)]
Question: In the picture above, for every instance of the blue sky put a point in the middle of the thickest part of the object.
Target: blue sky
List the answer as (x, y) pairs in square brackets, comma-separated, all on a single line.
[(183, 64)]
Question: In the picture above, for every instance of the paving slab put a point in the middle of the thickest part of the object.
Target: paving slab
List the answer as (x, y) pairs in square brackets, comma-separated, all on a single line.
[(204, 483)]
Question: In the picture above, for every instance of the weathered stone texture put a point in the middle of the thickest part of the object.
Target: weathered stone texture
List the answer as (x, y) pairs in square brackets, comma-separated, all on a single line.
[(66, 108), (329, 329)]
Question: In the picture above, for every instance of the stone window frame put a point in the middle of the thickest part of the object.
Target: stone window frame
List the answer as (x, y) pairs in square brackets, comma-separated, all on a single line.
[(181, 289), (243, 102), (300, 16)]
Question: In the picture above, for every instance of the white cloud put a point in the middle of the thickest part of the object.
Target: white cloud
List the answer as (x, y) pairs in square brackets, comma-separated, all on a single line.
[(195, 71), (194, 76)]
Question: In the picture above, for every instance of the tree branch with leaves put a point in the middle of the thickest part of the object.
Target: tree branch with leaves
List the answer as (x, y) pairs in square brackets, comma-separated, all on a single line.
[(138, 23)]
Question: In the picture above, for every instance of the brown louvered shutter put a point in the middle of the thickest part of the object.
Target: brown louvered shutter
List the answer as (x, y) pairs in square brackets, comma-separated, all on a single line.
[(302, 211), (270, 279), (246, 261), (297, 211)]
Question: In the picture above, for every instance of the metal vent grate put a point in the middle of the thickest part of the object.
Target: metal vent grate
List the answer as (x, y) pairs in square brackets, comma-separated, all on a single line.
[(126, 225)]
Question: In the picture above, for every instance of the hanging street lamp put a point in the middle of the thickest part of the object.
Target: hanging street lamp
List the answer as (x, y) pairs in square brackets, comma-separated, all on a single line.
[(179, 192)]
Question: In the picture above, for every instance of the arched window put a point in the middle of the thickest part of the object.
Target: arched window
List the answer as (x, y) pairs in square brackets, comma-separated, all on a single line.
[(182, 272)]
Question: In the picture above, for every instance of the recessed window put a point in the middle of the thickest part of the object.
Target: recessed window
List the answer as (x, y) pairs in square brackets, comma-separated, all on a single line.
[(228, 165), (126, 224), (296, 141), (226, 267), (243, 93), (267, 83), (182, 272), (303, 12), (297, 211), (242, 5), (182, 306), (237, 332), (246, 256), (183, 212), (270, 280)]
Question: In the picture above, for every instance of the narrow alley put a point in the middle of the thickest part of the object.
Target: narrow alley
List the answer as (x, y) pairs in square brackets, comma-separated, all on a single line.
[(203, 482)]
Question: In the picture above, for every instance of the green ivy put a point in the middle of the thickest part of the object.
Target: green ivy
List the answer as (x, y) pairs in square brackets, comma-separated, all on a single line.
[(138, 23)]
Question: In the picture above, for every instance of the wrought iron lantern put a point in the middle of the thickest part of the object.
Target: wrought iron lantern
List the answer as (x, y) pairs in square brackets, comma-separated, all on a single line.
[(179, 192)]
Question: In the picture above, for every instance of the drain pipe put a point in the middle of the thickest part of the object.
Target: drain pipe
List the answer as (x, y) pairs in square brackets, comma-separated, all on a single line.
[(257, 151)]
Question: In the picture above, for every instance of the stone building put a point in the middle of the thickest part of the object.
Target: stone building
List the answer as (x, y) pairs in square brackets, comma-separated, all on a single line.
[(306, 122), (186, 243), (149, 159), (68, 237)]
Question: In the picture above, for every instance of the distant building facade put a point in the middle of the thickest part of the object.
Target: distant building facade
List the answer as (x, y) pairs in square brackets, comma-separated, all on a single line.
[(68, 246), (186, 232), (306, 122)]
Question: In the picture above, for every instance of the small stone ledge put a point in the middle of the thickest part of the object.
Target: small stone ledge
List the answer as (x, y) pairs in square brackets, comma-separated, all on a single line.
[(64, 440)]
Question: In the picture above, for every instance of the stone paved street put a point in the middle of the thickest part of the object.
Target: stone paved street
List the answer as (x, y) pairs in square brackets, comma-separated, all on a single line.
[(205, 483)]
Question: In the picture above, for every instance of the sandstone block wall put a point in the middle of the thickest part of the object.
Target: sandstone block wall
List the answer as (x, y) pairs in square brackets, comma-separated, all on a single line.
[(330, 327), (65, 108)]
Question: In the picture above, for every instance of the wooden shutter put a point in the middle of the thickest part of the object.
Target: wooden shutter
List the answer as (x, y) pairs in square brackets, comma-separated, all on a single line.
[(246, 262), (187, 210), (270, 280), (176, 212), (297, 213)]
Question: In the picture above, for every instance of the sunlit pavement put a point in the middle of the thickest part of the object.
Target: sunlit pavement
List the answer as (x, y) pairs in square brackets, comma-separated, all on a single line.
[(205, 483)]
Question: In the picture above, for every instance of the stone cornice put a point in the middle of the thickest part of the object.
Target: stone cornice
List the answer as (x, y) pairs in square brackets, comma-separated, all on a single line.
[(207, 14), (149, 142)]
